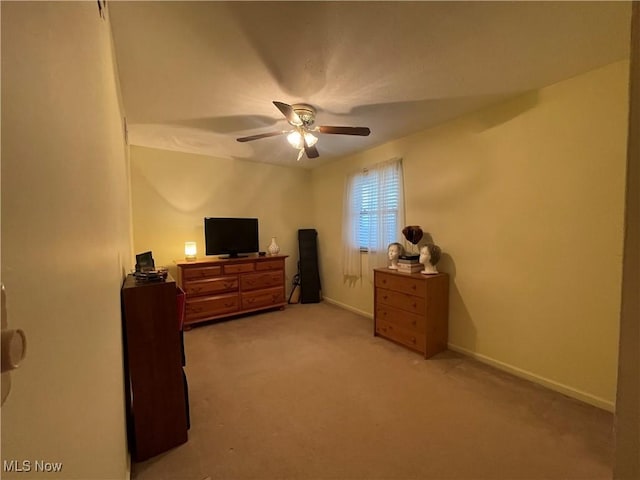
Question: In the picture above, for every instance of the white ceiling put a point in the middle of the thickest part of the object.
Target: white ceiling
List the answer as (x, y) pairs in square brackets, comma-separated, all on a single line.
[(197, 75)]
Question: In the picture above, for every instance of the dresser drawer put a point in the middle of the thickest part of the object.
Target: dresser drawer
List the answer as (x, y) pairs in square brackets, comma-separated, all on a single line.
[(211, 286), (202, 307), (191, 273), (408, 338), (254, 281), (270, 265), (398, 283), (263, 298), (238, 268), (403, 301), (406, 320)]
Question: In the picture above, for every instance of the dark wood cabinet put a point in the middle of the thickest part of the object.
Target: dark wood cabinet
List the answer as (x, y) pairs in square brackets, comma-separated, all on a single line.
[(157, 406)]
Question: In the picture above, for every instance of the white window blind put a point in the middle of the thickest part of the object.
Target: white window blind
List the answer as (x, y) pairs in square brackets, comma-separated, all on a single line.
[(377, 197), (373, 215)]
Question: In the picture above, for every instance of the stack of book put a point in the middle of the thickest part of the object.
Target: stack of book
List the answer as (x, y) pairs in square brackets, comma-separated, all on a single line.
[(409, 264)]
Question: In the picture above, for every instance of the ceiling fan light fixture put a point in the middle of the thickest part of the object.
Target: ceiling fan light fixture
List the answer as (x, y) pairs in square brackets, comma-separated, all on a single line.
[(295, 139), (301, 117), (311, 139)]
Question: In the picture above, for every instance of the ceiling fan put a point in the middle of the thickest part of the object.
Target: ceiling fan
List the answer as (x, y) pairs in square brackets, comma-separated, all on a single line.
[(302, 118)]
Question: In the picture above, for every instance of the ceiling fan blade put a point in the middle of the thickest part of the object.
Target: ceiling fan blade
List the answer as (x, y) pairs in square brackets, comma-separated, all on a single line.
[(259, 136), (312, 152), (287, 110), (362, 131)]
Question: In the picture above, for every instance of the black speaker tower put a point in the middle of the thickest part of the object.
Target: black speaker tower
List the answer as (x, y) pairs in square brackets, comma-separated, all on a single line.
[(308, 266)]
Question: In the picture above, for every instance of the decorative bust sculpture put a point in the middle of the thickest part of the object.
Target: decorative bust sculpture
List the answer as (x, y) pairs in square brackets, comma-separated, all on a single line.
[(429, 257), (394, 250)]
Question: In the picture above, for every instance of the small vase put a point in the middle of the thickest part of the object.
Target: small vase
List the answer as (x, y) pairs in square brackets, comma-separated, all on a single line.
[(273, 249)]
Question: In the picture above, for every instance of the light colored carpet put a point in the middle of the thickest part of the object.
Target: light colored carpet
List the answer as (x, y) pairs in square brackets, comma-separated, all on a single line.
[(310, 393)]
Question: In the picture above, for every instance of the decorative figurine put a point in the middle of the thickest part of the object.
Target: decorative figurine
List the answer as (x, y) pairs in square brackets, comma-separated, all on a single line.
[(429, 257), (394, 250)]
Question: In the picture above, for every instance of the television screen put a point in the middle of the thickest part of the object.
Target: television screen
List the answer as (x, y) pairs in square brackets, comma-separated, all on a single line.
[(230, 236)]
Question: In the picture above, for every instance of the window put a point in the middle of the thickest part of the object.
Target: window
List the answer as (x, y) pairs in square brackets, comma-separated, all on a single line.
[(376, 196), (373, 214)]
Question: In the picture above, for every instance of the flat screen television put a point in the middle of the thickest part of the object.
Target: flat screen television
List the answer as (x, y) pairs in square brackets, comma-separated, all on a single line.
[(230, 236)]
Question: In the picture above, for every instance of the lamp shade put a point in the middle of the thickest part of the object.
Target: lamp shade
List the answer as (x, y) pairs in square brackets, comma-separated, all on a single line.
[(295, 139), (190, 250)]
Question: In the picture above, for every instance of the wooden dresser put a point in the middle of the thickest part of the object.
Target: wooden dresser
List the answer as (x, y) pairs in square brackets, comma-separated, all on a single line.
[(412, 309), (217, 288)]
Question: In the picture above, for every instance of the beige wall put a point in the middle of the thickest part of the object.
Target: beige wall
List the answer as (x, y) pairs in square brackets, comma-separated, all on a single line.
[(526, 201), (65, 239), (172, 192)]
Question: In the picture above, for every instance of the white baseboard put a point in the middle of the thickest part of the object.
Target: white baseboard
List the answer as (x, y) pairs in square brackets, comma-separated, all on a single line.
[(348, 307), (551, 384)]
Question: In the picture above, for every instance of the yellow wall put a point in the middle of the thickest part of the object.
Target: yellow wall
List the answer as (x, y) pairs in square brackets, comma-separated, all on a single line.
[(172, 192), (65, 239), (526, 201)]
